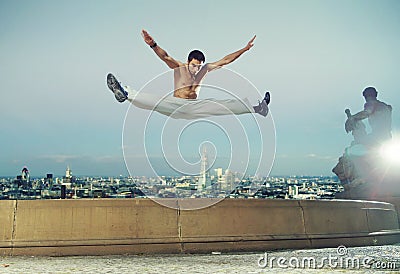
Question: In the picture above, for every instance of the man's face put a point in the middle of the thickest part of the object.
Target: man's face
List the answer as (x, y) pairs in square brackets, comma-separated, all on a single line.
[(369, 98), (194, 66)]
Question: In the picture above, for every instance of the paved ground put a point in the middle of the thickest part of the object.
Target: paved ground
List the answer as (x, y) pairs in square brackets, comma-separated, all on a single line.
[(372, 259)]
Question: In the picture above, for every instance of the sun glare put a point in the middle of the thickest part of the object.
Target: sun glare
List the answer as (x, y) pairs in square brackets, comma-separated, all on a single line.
[(390, 151)]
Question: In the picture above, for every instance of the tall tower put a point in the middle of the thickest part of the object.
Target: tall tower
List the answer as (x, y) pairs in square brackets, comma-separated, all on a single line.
[(218, 173), (68, 177), (25, 174), (204, 179), (68, 173), (49, 179), (229, 180)]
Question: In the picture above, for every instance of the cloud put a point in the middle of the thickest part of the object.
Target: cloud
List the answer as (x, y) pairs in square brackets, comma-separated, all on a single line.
[(65, 158), (108, 159), (320, 157), (309, 156), (80, 164), (60, 158)]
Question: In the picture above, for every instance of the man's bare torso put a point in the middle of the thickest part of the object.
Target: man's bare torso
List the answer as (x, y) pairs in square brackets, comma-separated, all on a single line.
[(185, 84), (187, 77)]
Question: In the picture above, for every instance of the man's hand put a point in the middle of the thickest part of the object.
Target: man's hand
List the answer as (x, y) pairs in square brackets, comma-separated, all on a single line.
[(230, 57), (250, 44), (171, 62), (350, 124), (147, 38)]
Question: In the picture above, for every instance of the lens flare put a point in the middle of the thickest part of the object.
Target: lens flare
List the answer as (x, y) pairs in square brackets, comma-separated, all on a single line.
[(390, 151)]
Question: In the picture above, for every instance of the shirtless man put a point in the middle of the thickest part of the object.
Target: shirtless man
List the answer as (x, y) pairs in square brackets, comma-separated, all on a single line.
[(188, 76), (379, 116)]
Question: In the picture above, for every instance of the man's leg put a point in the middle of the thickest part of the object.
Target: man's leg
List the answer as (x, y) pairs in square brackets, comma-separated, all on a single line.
[(189, 109), (179, 108), (201, 108)]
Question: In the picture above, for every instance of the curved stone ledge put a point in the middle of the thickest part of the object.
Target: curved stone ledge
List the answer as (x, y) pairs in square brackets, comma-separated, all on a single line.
[(136, 226)]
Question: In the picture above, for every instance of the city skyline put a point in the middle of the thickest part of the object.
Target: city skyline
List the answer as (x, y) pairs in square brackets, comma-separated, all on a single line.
[(315, 57), (210, 184)]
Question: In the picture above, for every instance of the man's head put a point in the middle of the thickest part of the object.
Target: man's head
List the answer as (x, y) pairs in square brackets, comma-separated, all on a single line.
[(196, 54), (370, 93), (195, 60)]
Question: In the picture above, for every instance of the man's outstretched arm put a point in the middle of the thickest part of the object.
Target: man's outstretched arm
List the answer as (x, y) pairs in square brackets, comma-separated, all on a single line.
[(171, 62), (351, 121), (231, 57), (361, 115)]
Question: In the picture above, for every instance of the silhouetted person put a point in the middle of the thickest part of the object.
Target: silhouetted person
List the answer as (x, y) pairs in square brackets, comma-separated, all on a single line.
[(379, 116)]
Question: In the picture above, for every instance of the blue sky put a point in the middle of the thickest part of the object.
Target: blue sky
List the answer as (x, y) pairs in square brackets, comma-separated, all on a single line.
[(315, 57)]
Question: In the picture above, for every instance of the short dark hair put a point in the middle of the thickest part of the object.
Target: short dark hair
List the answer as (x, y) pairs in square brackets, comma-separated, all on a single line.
[(196, 54), (370, 92)]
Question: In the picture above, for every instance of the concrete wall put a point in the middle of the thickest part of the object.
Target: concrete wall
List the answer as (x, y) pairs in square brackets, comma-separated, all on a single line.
[(134, 226), (392, 199)]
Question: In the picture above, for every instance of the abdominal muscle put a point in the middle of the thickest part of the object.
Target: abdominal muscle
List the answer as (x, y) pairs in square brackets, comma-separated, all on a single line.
[(184, 85), (185, 93)]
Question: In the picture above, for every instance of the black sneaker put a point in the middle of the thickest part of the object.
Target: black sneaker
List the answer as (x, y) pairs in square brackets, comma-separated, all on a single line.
[(262, 107), (120, 94), (267, 97)]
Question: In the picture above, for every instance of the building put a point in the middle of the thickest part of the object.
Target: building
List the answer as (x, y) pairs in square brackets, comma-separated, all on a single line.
[(204, 178)]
